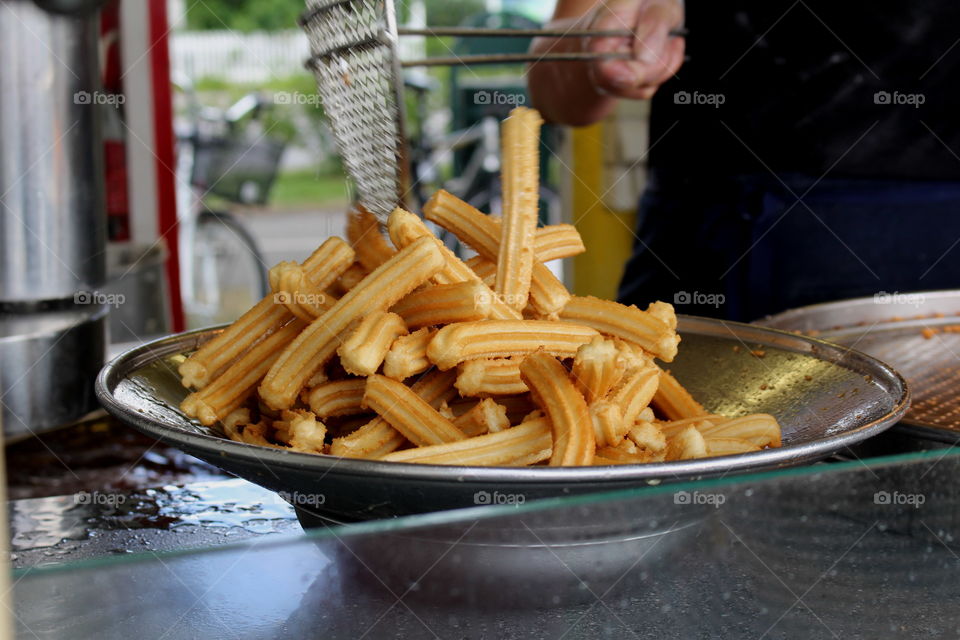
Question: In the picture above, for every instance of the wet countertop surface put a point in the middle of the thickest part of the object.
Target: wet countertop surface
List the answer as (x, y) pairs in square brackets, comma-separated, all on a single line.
[(855, 549)]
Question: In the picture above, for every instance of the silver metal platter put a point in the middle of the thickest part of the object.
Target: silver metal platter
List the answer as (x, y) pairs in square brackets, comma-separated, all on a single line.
[(826, 397), (916, 333)]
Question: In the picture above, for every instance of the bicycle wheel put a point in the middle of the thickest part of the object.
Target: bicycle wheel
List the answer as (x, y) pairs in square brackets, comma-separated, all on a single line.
[(229, 274)]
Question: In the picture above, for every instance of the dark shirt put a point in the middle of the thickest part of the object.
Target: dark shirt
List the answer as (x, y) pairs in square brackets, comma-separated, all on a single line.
[(856, 88)]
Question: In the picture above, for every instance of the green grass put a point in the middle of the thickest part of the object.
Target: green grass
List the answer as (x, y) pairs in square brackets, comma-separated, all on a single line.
[(297, 189)]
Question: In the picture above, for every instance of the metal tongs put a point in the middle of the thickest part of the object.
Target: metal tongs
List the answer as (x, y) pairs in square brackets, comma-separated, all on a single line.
[(504, 58)]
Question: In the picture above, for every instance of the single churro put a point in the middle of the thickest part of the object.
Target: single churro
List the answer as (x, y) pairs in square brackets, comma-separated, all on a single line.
[(597, 367), (377, 437), (489, 377), (673, 402), (408, 355), (456, 343), (445, 304), (337, 397), (574, 442), (363, 231), (364, 349), (408, 413), (524, 444), (627, 323), (520, 139), (486, 416)]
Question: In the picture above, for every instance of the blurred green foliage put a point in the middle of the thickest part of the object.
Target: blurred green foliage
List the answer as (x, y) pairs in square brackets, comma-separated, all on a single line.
[(261, 15)]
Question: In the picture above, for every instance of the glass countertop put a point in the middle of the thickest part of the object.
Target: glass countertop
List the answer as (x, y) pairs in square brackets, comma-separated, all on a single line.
[(867, 548)]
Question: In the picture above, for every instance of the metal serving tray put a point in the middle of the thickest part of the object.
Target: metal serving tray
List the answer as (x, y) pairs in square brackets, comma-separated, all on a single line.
[(826, 397)]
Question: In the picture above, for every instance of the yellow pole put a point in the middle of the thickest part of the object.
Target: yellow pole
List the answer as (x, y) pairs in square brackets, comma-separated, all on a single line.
[(607, 234)]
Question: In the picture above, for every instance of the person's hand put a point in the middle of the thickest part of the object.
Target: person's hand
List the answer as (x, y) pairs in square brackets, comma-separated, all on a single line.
[(655, 55)]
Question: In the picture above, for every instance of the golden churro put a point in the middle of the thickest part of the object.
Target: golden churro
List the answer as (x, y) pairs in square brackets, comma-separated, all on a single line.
[(364, 349), (527, 443), (363, 231), (597, 367), (456, 343), (293, 289), (673, 402), (635, 392), (405, 228), (395, 278), (547, 294), (759, 428), (337, 398), (306, 433), (408, 413), (494, 377), (231, 388), (627, 323), (264, 318), (351, 277), (689, 443), (486, 416), (647, 436), (557, 241), (573, 438), (729, 446), (445, 304), (520, 137), (408, 355), (377, 437), (608, 423)]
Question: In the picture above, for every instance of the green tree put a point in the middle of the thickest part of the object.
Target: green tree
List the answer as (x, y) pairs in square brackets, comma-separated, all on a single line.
[(272, 15), (244, 15)]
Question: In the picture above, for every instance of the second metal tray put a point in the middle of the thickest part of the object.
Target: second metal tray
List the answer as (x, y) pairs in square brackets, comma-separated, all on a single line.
[(916, 333)]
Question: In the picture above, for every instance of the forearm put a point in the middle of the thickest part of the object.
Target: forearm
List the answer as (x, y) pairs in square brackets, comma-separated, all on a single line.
[(564, 91)]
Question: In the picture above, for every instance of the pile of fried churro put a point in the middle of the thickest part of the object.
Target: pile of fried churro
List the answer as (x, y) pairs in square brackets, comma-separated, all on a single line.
[(399, 350)]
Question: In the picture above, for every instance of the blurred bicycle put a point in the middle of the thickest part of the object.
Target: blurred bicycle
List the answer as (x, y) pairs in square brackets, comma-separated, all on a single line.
[(228, 154)]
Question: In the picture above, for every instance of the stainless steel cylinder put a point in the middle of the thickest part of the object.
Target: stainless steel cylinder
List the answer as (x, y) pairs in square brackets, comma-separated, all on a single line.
[(52, 220)]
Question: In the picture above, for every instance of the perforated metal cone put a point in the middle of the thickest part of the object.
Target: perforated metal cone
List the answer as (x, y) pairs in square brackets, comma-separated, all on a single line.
[(354, 59)]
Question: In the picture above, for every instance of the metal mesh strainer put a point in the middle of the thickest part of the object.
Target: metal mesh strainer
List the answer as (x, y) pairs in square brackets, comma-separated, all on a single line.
[(353, 47)]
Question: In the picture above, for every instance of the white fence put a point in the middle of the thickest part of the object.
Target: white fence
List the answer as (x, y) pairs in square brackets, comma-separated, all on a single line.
[(250, 58)]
